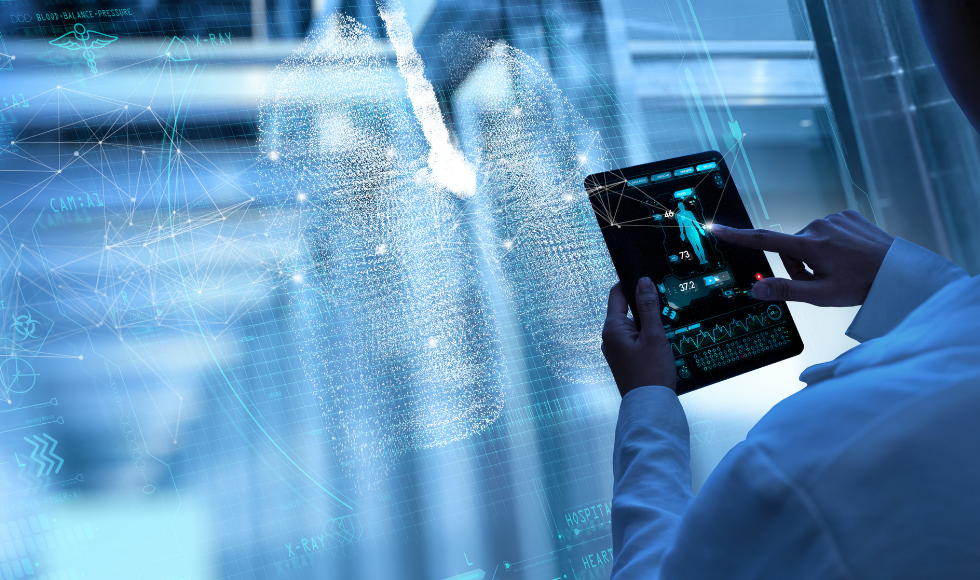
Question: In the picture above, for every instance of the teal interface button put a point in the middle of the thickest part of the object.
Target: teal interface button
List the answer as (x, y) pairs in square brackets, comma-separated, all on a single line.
[(706, 166), (660, 176), (683, 193), (685, 171), (637, 181)]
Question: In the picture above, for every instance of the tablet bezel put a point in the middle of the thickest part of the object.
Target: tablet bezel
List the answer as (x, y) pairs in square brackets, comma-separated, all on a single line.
[(735, 215)]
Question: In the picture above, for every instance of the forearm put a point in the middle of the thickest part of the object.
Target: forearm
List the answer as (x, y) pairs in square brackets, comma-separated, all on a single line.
[(908, 276), (652, 480)]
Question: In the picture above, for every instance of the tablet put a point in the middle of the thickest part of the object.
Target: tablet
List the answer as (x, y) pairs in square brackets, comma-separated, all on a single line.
[(656, 220)]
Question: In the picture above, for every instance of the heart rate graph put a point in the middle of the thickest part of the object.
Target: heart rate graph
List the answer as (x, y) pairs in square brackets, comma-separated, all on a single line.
[(688, 343)]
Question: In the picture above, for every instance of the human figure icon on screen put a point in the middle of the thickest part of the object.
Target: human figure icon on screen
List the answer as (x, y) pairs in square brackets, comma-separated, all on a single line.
[(691, 231)]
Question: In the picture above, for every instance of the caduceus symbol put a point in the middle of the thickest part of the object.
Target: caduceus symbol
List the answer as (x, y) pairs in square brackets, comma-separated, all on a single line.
[(80, 38)]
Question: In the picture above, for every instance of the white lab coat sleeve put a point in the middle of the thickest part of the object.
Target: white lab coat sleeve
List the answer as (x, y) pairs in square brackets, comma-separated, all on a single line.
[(651, 480), (749, 521), (908, 276)]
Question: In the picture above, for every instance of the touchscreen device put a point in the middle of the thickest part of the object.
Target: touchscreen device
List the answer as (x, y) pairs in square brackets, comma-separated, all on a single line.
[(656, 220)]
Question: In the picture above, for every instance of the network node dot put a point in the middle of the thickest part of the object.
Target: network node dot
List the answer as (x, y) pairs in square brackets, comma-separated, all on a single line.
[(76, 153)]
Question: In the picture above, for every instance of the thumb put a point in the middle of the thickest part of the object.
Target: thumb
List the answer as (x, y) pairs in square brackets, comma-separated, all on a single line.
[(790, 291), (648, 308)]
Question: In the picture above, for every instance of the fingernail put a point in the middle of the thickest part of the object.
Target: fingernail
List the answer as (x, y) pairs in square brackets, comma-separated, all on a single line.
[(720, 228), (760, 291), (644, 285)]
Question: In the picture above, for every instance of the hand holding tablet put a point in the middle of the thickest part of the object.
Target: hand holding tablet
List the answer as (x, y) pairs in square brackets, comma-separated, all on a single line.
[(657, 222)]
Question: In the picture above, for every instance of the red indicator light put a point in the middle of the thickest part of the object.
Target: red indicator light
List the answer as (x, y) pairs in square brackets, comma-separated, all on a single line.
[(758, 276)]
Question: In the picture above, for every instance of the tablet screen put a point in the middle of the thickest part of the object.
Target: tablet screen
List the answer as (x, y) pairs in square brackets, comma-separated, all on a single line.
[(656, 220)]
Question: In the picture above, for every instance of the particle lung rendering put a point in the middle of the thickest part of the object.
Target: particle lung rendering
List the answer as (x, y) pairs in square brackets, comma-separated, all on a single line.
[(538, 229), (392, 312), (405, 239)]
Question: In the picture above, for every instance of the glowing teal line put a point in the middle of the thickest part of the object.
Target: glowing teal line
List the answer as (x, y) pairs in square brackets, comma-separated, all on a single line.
[(29, 426), (472, 575), (711, 63), (721, 91), (758, 192), (54, 443), (704, 114), (198, 322)]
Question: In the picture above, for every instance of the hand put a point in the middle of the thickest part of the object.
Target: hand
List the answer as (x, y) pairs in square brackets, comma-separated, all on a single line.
[(637, 358), (843, 253)]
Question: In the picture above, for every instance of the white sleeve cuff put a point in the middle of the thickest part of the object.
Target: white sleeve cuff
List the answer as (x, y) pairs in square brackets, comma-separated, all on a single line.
[(649, 415), (908, 276), (654, 405), (651, 481)]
